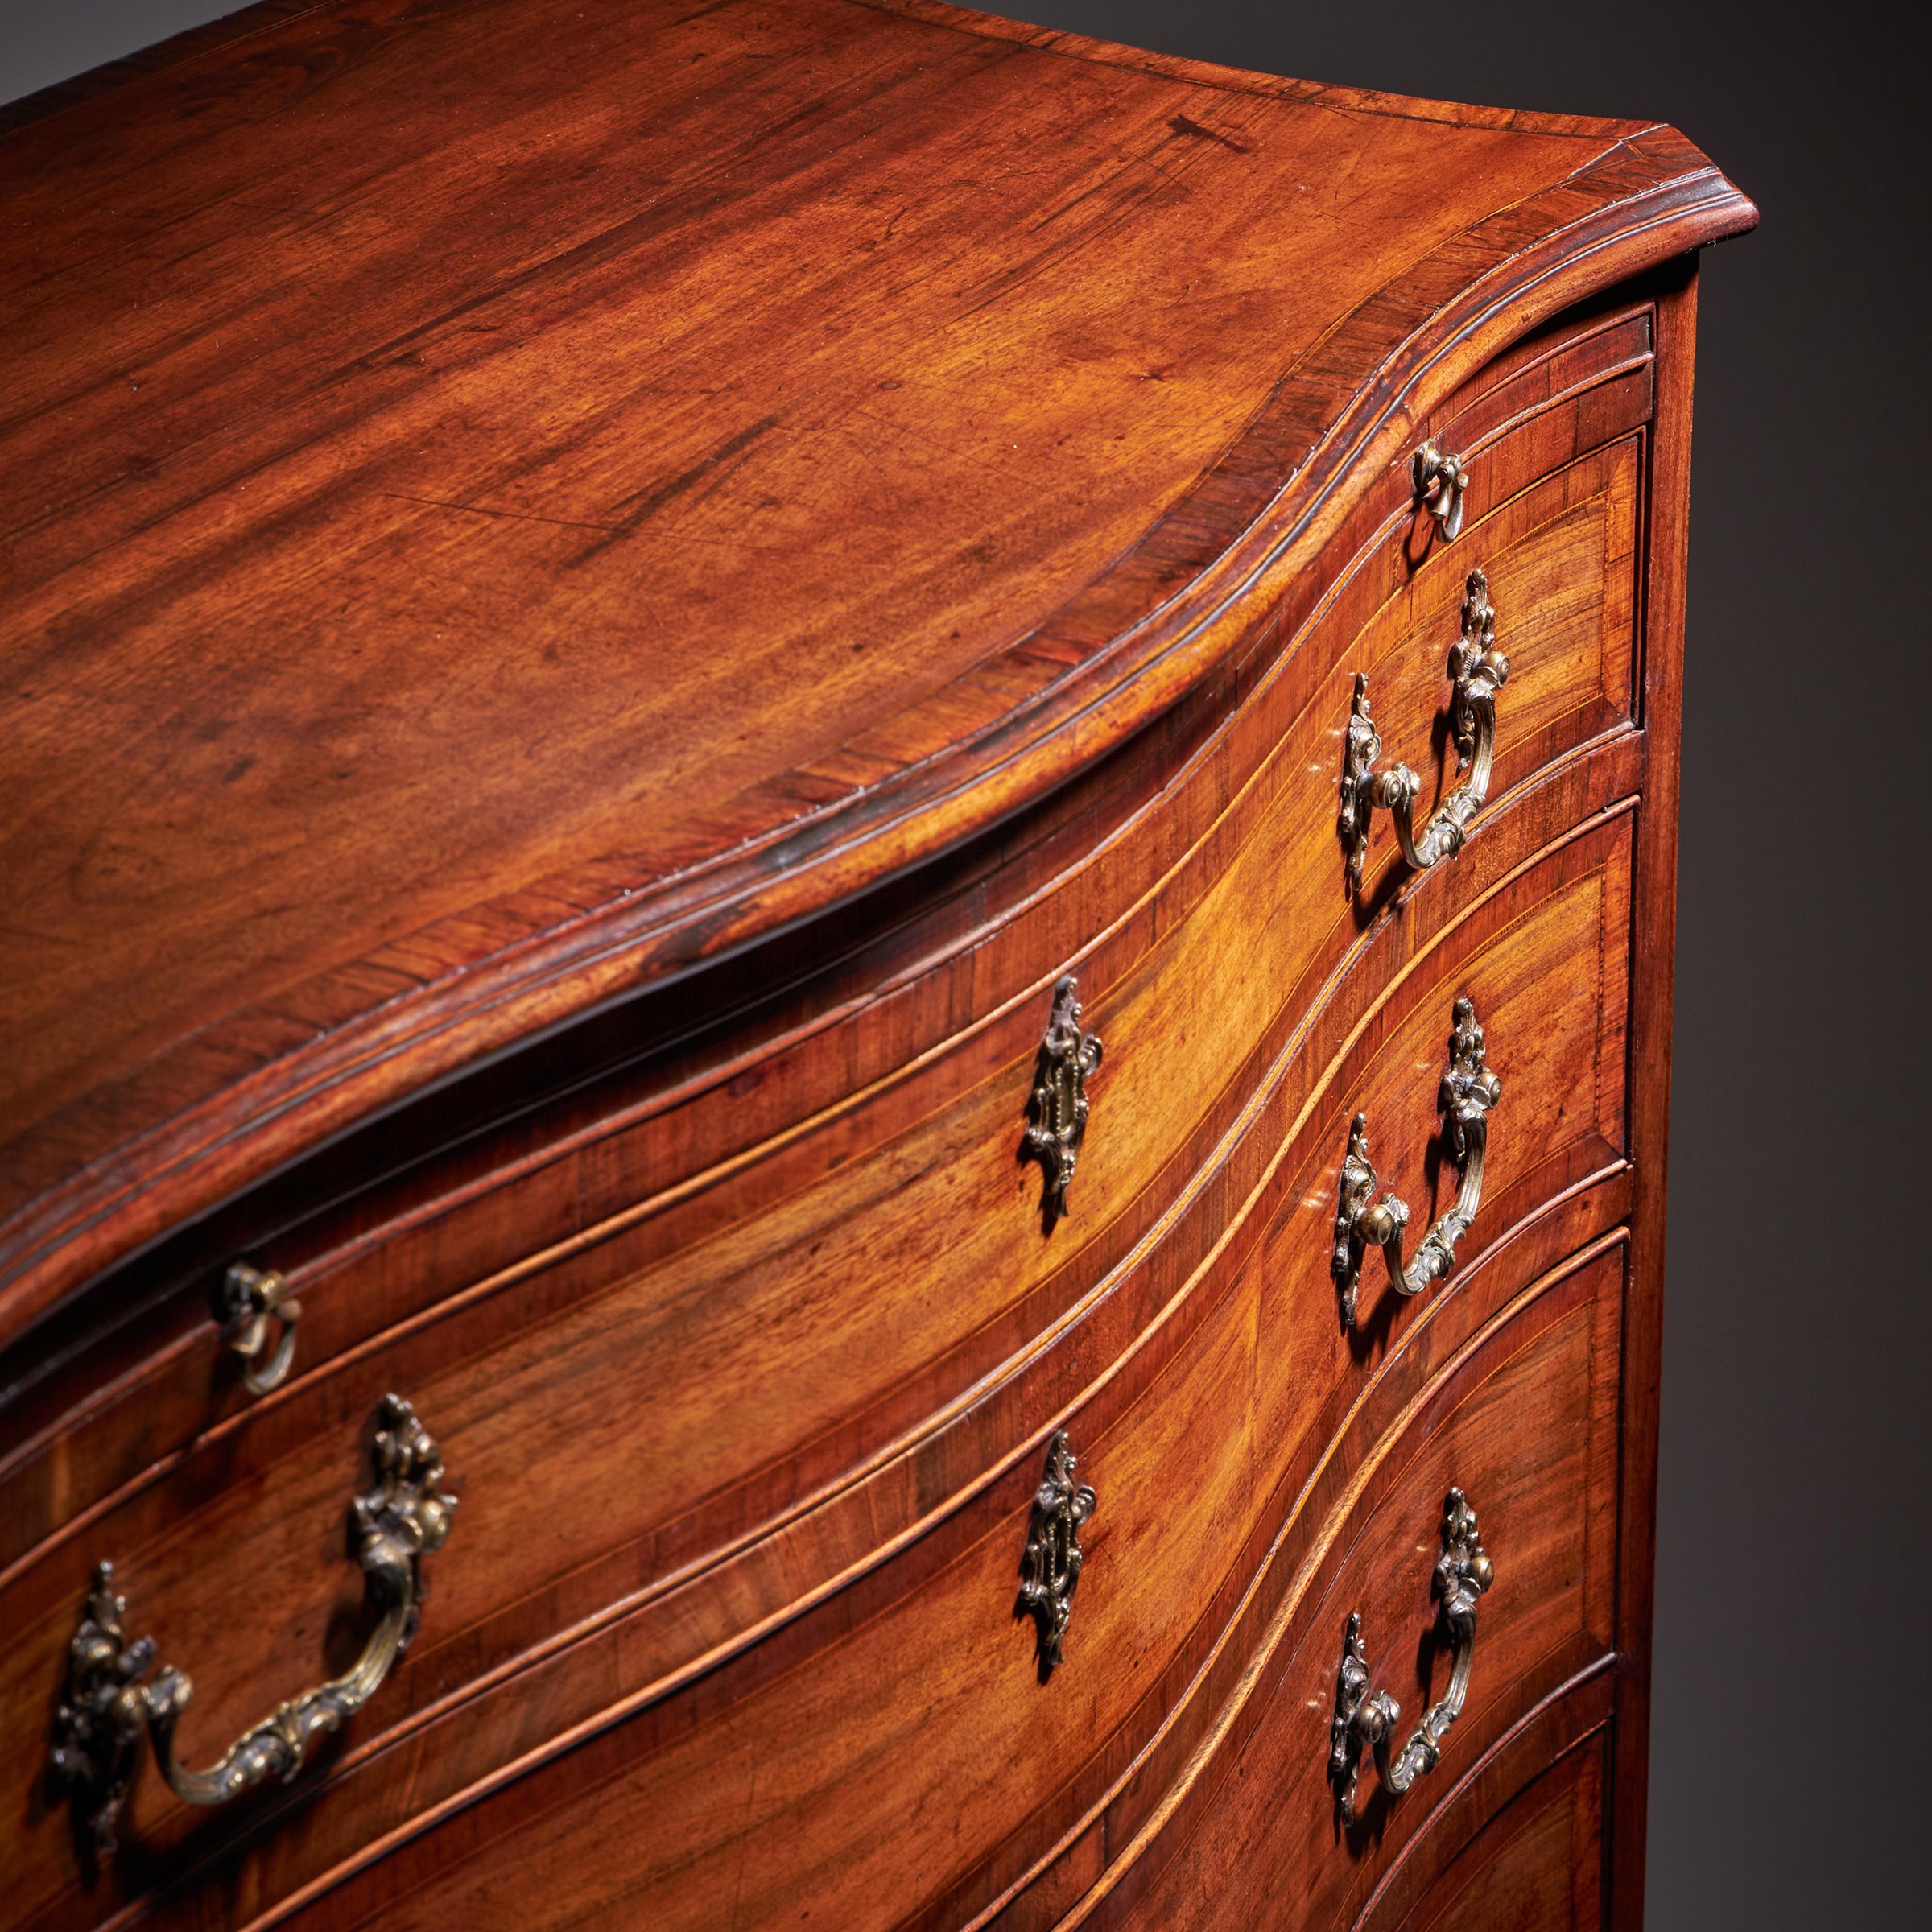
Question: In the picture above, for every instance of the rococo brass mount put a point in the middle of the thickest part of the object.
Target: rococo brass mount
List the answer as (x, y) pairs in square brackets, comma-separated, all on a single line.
[(1462, 1572), (1050, 1568), (97, 1728), (1468, 1091), (1478, 671), (1057, 1109)]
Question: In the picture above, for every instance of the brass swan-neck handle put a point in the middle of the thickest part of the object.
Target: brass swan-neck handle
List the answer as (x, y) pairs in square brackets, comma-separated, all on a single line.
[(1462, 1572), (97, 1741), (1468, 1091), (1478, 671)]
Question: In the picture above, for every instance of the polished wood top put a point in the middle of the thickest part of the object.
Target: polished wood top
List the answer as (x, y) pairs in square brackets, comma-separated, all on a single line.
[(502, 501)]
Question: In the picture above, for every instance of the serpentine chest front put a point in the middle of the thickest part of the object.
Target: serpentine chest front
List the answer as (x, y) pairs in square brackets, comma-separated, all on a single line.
[(836, 1000)]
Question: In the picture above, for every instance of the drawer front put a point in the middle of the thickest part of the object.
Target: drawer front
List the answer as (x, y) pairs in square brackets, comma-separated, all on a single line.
[(1559, 562), (885, 1747), (547, 1477), (1524, 1426), (872, 1107), (691, 1417), (1523, 1837), (1538, 1863)]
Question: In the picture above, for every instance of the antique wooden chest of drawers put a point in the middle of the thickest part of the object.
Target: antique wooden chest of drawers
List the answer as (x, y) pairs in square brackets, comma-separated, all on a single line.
[(629, 633)]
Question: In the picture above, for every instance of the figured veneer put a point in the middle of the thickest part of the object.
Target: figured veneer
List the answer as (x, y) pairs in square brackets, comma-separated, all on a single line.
[(465, 397), (563, 1494), (1525, 1422), (1538, 1861), (685, 1333), (596, 606), (1237, 849), (912, 1697)]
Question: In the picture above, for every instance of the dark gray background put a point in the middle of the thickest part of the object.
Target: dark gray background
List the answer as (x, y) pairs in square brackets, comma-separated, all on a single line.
[(1790, 1780)]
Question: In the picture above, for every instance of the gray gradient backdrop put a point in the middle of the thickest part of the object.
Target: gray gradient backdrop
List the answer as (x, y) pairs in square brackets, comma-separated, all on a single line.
[(1789, 1781)]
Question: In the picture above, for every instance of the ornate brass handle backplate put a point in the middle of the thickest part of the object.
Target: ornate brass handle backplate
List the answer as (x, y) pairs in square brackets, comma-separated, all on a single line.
[(1468, 1091), (97, 1728), (1463, 1573), (1057, 1108), (1477, 670), (1050, 1567)]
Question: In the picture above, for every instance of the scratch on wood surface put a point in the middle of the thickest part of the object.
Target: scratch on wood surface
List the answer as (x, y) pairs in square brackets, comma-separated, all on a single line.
[(1194, 131)]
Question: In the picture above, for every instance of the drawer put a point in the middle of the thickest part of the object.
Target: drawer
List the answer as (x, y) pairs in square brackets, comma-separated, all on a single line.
[(1544, 959), (833, 1215), (1558, 560), (1523, 1426), (1205, 1385), (859, 1085), (1537, 1861)]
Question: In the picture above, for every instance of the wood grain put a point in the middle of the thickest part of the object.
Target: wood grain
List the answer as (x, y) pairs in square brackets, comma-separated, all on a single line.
[(261, 1510), (1526, 1425), (594, 603), (1557, 1357), (912, 1090), (1667, 552), (1539, 1862), (1532, 1767), (374, 454)]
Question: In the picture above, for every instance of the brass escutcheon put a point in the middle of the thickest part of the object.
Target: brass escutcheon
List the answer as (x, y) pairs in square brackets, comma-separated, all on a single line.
[(1050, 1567), (1058, 1107)]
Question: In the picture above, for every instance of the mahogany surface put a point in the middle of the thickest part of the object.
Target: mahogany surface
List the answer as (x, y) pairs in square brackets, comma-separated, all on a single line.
[(595, 604), (1170, 897), (1525, 1423), (505, 500), (1527, 1412), (1538, 1863), (570, 1435)]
